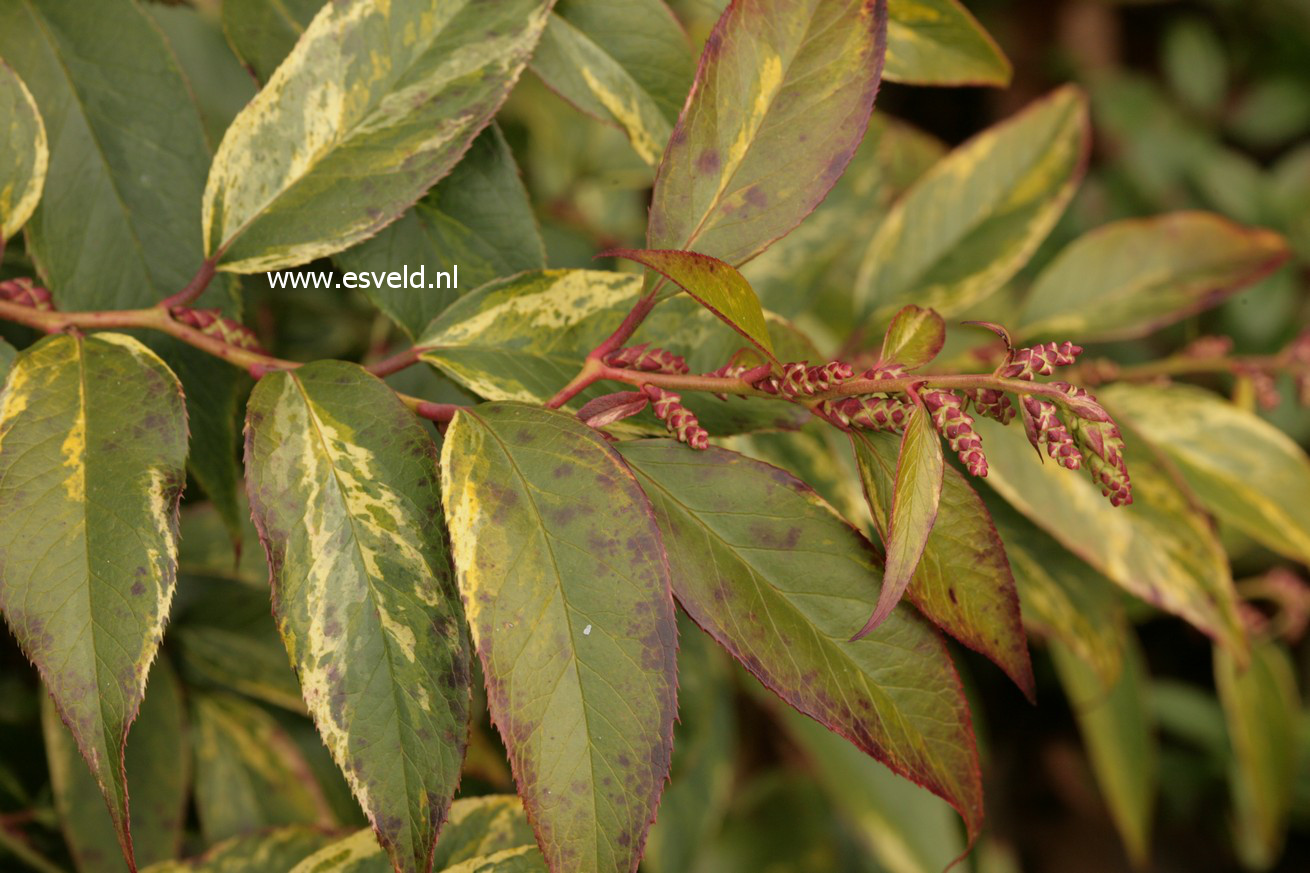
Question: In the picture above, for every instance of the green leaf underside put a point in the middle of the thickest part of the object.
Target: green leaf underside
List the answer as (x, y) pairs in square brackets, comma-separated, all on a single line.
[(778, 579), (116, 227), (263, 32), (272, 850), (479, 218), (223, 638), (1159, 548), (1262, 708), (1063, 598), (92, 448), (24, 153), (629, 64), (715, 285), (970, 223), (524, 338), (905, 827), (916, 496), (249, 775), (343, 488), (376, 102), (1117, 732), (963, 582), (1247, 472), (156, 767), (781, 100), (478, 826), (914, 338), (937, 42), (1131, 277), (567, 594)]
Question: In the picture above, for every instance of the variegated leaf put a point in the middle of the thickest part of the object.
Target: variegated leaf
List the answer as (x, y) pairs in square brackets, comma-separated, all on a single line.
[(627, 63), (937, 42), (970, 223), (1160, 548), (376, 102), (156, 767), (343, 487), (1246, 471), (271, 851), (914, 337), (525, 860), (963, 582), (561, 569), (781, 101), (476, 225), (525, 337), (92, 453), (477, 826), (1131, 277), (24, 153), (779, 580), (249, 774), (910, 513)]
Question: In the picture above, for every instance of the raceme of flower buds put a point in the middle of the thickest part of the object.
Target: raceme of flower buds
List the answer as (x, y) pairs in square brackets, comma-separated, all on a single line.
[(992, 403), (1096, 434), (1262, 384), (648, 360), (25, 292), (680, 420), (1043, 425), (873, 412), (799, 379), (956, 426), (1040, 360), (214, 323), (884, 371)]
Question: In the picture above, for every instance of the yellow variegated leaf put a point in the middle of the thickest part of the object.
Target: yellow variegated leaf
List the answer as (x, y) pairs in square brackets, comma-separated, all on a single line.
[(937, 42), (24, 154), (376, 102)]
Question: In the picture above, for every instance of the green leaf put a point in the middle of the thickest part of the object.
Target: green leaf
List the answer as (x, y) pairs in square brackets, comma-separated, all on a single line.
[(704, 745), (477, 826), (573, 620), (914, 502), (24, 154), (156, 766), (7, 355), (477, 220), (271, 850), (905, 827), (781, 582), (343, 488), (92, 447), (1063, 598), (914, 337), (117, 224), (1160, 548), (972, 221), (1117, 731), (249, 773), (1247, 472), (224, 637), (377, 101), (963, 582), (525, 860), (937, 42), (626, 63), (262, 33), (782, 98), (1131, 277), (715, 285), (1261, 707), (524, 338)]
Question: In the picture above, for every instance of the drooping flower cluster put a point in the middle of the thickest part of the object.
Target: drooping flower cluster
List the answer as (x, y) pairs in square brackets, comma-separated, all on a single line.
[(956, 426), (680, 420), (1102, 444), (992, 402), (214, 323), (1039, 360), (1041, 422), (869, 411), (649, 360), (25, 292)]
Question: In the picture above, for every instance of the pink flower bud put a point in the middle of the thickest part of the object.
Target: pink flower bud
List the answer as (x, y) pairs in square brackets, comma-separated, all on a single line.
[(956, 426)]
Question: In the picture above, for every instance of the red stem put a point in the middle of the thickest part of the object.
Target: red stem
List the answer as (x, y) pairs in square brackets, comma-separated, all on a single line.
[(595, 362), (199, 282)]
